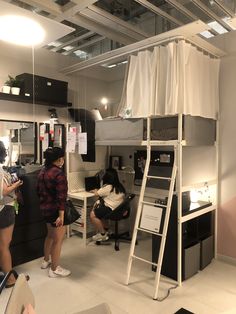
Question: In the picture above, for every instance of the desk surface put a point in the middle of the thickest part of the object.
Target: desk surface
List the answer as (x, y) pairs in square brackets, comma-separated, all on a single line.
[(81, 195), (195, 206)]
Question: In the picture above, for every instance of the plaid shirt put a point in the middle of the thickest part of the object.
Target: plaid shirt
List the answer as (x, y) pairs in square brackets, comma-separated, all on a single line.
[(52, 190)]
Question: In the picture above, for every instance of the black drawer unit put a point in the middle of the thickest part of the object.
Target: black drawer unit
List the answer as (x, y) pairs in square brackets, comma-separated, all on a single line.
[(47, 90), (197, 244)]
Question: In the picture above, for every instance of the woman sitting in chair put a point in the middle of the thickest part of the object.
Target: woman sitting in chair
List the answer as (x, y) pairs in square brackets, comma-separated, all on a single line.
[(111, 195)]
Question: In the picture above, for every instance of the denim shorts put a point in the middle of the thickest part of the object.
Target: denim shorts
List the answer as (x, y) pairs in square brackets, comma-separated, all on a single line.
[(7, 216)]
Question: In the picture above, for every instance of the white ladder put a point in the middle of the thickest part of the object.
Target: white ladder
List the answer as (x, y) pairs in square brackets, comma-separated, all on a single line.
[(141, 203)]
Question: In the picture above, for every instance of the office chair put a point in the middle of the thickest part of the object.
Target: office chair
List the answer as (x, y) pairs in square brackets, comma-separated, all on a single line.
[(119, 213)]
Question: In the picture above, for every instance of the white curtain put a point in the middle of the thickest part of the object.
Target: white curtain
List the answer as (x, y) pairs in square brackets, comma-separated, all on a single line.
[(177, 78)]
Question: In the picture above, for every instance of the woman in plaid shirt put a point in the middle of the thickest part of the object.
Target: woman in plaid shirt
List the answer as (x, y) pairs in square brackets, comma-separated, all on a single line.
[(52, 191)]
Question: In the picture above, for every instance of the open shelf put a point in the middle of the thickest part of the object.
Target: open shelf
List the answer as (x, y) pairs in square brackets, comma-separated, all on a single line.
[(29, 100)]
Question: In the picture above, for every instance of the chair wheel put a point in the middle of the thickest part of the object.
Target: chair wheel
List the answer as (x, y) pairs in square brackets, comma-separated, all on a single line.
[(98, 242), (117, 248)]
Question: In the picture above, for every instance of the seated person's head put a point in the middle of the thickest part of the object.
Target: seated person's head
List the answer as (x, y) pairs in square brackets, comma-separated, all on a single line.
[(110, 177)]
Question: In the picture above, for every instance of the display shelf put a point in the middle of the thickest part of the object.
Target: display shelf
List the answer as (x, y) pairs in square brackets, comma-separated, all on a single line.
[(29, 100), (83, 226)]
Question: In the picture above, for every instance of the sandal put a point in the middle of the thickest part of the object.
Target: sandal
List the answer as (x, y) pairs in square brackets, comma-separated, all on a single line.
[(27, 277)]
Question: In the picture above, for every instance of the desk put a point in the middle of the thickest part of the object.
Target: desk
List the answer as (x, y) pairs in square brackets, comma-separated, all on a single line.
[(81, 196)]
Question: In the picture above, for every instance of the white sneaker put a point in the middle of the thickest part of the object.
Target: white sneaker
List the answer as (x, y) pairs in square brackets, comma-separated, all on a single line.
[(58, 272), (45, 264), (100, 237)]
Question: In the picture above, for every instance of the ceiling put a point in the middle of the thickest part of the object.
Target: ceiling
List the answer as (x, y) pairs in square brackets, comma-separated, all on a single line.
[(104, 25)]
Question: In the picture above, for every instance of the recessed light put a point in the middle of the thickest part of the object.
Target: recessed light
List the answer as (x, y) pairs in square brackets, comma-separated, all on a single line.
[(20, 30)]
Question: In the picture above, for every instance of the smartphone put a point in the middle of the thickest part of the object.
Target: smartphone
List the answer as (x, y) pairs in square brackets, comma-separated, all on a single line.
[(14, 177)]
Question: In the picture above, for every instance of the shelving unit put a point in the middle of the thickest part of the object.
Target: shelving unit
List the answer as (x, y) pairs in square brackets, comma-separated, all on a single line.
[(83, 203)]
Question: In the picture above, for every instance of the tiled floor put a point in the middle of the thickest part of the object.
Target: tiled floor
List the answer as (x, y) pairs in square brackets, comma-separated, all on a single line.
[(98, 275)]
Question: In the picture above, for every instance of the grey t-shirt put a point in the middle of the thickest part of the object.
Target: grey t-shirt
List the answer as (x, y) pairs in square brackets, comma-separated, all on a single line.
[(7, 199)]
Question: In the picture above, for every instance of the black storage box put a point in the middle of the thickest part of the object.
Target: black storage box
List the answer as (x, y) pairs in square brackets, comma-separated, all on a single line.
[(45, 89)]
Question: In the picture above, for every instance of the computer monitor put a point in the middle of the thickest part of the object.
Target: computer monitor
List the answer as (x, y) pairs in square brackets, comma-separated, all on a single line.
[(91, 183)]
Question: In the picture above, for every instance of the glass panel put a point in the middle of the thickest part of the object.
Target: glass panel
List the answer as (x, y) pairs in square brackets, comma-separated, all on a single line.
[(19, 140), (168, 8), (231, 4), (198, 12), (127, 10), (214, 8)]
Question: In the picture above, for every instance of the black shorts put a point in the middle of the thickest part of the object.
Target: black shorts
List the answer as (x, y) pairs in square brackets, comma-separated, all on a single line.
[(51, 219), (101, 211), (7, 216)]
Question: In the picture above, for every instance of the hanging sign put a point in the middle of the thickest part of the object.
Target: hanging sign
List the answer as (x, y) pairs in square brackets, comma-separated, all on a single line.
[(71, 140), (82, 141), (42, 130), (51, 128), (45, 142), (151, 218)]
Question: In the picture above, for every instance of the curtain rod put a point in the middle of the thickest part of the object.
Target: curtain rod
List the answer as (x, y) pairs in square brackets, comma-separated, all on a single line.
[(118, 54)]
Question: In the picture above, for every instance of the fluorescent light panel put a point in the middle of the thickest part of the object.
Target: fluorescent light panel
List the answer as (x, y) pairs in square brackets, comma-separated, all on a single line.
[(207, 34), (217, 27)]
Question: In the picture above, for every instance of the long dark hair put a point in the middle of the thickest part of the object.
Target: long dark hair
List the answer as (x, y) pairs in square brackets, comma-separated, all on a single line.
[(3, 152), (111, 177), (51, 154)]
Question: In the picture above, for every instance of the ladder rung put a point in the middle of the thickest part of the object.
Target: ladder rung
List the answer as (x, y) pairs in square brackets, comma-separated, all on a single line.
[(144, 260), (156, 177), (152, 232), (154, 204)]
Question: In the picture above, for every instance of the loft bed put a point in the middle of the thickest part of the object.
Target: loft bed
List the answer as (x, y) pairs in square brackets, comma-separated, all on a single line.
[(133, 131), (176, 84)]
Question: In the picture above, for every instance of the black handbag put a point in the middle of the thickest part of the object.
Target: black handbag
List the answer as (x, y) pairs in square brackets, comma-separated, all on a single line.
[(70, 214)]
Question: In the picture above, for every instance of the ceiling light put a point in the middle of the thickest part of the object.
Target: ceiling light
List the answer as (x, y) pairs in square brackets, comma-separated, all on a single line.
[(67, 48), (55, 44), (80, 54), (20, 30), (207, 34), (112, 65), (217, 27), (104, 101)]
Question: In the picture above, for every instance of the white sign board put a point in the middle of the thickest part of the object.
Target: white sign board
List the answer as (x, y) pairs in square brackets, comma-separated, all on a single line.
[(151, 218)]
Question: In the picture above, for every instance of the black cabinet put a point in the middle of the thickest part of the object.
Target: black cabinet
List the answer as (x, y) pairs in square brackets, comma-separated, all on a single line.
[(197, 244), (47, 90), (30, 229)]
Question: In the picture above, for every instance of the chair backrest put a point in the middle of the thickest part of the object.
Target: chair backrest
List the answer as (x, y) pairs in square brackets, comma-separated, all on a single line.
[(118, 212), (20, 297)]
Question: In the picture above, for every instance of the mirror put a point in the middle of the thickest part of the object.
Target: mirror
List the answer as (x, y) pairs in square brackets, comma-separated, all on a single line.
[(19, 139)]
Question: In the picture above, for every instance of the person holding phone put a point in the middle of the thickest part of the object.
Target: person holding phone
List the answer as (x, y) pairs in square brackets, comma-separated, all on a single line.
[(7, 215), (52, 191)]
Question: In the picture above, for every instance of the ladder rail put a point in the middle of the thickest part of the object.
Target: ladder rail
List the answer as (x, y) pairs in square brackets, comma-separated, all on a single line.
[(140, 205), (165, 229)]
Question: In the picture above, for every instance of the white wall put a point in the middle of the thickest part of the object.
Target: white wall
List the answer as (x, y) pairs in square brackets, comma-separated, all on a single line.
[(227, 167), (83, 92)]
